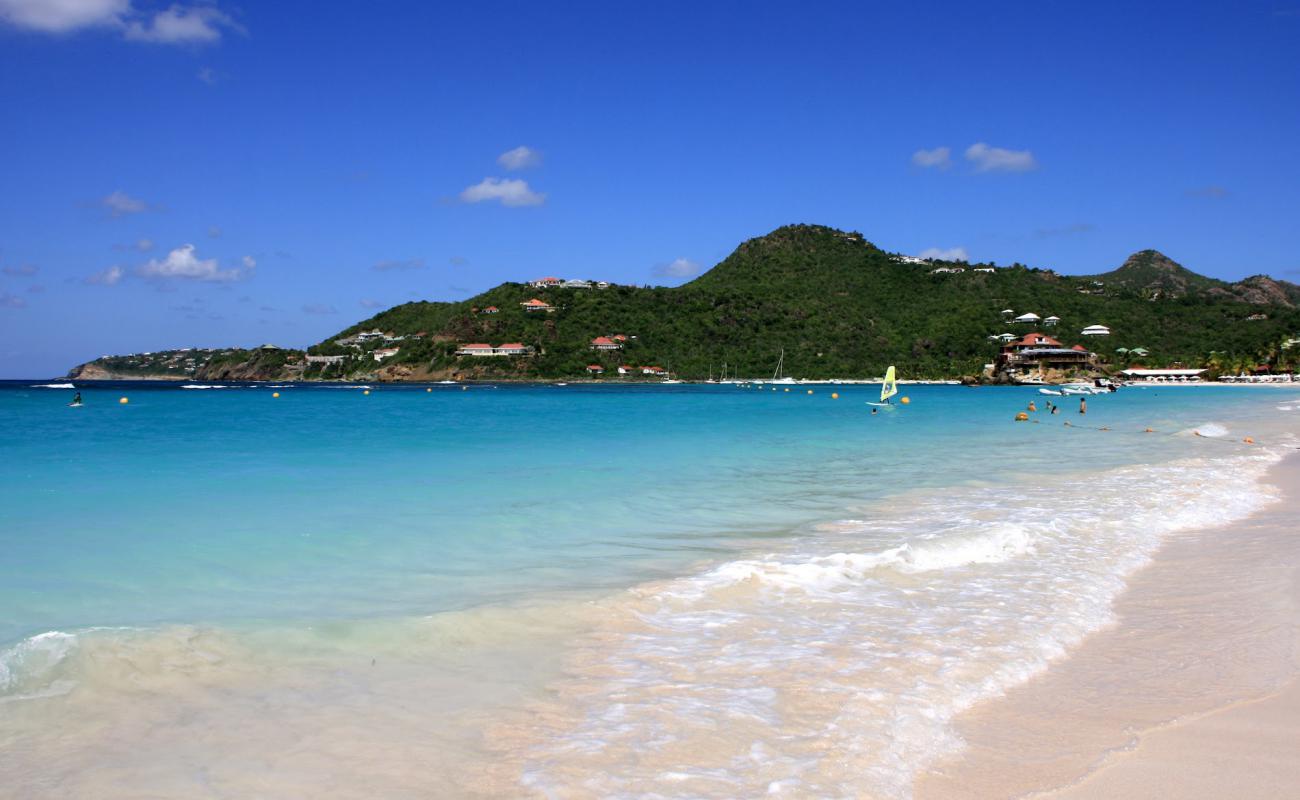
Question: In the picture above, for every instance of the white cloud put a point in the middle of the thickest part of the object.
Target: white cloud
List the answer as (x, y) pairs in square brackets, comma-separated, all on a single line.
[(184, 263), (368, 303), (678, 268), (109, 277), (392, 265), (181, 25), (62, 16), (510, 191), (998, 159), (520, 158), (951, 254), (119, 204), (177, 24), (940, 157)]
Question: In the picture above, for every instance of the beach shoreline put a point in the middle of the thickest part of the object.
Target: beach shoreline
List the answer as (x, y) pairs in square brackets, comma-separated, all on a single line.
[(1193, 693)]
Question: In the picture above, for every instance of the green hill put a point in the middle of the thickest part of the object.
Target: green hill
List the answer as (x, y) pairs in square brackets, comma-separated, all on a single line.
[(835, 303), (839, 307)]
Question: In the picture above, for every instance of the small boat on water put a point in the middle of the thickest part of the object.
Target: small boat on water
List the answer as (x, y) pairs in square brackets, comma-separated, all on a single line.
[(777, 376)]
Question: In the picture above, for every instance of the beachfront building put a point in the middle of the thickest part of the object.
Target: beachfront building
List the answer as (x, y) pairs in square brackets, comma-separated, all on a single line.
[(1164, 375), (1051, 322), (625, 369), (545, 283), (605, 343), (1095, 330), (595, 369), (1037, 352), (384, 352), (1028, 319), (653, 371), (533, 306)]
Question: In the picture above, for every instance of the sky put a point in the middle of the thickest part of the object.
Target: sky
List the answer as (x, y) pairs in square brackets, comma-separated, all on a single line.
[(227, 174)]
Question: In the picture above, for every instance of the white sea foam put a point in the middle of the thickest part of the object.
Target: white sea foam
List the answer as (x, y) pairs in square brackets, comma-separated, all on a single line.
[(53, 386), (29, 668), (206, 386), (1212, 430), (844, 662)]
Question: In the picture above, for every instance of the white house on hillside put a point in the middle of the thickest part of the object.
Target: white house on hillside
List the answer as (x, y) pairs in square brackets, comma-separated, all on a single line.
[(1030, 318), (1095, 330)]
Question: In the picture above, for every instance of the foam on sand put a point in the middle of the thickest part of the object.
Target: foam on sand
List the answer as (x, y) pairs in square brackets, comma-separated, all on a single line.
[(838, 671)]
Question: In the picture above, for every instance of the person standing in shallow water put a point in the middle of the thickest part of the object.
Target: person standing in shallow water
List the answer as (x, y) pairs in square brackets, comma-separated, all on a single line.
[(76, 400), (1083, 405)]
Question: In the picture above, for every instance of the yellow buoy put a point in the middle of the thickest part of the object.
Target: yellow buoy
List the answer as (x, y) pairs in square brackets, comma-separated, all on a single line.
[(1021, 417), (275, 394), (835, 395), (810, 391), (905, 400), (123, 400), (365, 391)]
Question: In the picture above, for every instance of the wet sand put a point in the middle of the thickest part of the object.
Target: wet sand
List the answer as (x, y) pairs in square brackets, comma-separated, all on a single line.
[(1192, 694)]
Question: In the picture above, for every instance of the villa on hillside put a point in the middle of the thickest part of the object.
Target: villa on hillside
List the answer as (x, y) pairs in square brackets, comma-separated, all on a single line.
[(325, 359), (595, 369), (1051, 322), (626, 369), (605, 343), (490, 310), (575, 284), (1095, 330), (1029, 319), (984, 269), (909, 260), (512, 349), (535, 305), (653, 371), (947, 270), (384, 352), (545, 283)]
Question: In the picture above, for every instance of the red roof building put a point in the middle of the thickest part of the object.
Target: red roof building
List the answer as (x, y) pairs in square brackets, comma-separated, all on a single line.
[(595, 369), (605, 343)]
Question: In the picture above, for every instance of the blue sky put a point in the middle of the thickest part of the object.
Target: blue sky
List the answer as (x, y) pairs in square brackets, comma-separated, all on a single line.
[(211, 173)]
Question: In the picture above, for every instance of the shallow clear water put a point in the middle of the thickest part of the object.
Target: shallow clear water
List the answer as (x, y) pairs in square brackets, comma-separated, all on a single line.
[(825, 586)]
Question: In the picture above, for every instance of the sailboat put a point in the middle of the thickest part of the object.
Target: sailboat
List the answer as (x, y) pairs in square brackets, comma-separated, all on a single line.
[(777, 377), (888, 388)]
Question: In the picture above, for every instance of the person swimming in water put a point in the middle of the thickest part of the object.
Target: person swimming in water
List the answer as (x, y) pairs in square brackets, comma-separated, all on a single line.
[(76, 401), (1083, 405)]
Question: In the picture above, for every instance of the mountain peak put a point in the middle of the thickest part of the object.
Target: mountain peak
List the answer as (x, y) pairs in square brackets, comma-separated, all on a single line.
[(1152, 273)]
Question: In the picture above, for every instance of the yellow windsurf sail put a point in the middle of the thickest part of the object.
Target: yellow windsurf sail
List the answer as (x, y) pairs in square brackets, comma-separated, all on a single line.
[(890, 387)]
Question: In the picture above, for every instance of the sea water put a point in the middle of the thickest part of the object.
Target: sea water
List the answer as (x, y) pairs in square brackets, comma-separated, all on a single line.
[(566, 591)]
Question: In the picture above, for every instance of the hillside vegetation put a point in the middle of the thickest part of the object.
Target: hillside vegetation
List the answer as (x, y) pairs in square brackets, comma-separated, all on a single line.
[(839, 307)]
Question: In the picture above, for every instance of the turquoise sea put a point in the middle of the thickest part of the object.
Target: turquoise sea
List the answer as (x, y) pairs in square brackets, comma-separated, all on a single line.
[(566, 591)]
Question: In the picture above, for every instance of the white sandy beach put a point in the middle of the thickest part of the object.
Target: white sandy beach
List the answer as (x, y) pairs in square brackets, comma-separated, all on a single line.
[(1193, 694)]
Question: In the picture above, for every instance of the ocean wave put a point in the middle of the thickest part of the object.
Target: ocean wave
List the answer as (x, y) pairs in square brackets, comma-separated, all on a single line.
[(836, 670), (53, 386), (206, 386)]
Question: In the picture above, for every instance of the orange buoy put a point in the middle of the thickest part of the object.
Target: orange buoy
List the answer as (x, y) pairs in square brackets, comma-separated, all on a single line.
[(123, 400), (275, 394), (905, 400), (835, 395), (810, 391), (365, 391), (1148, 430), (1021, 416), (1248, 440)]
